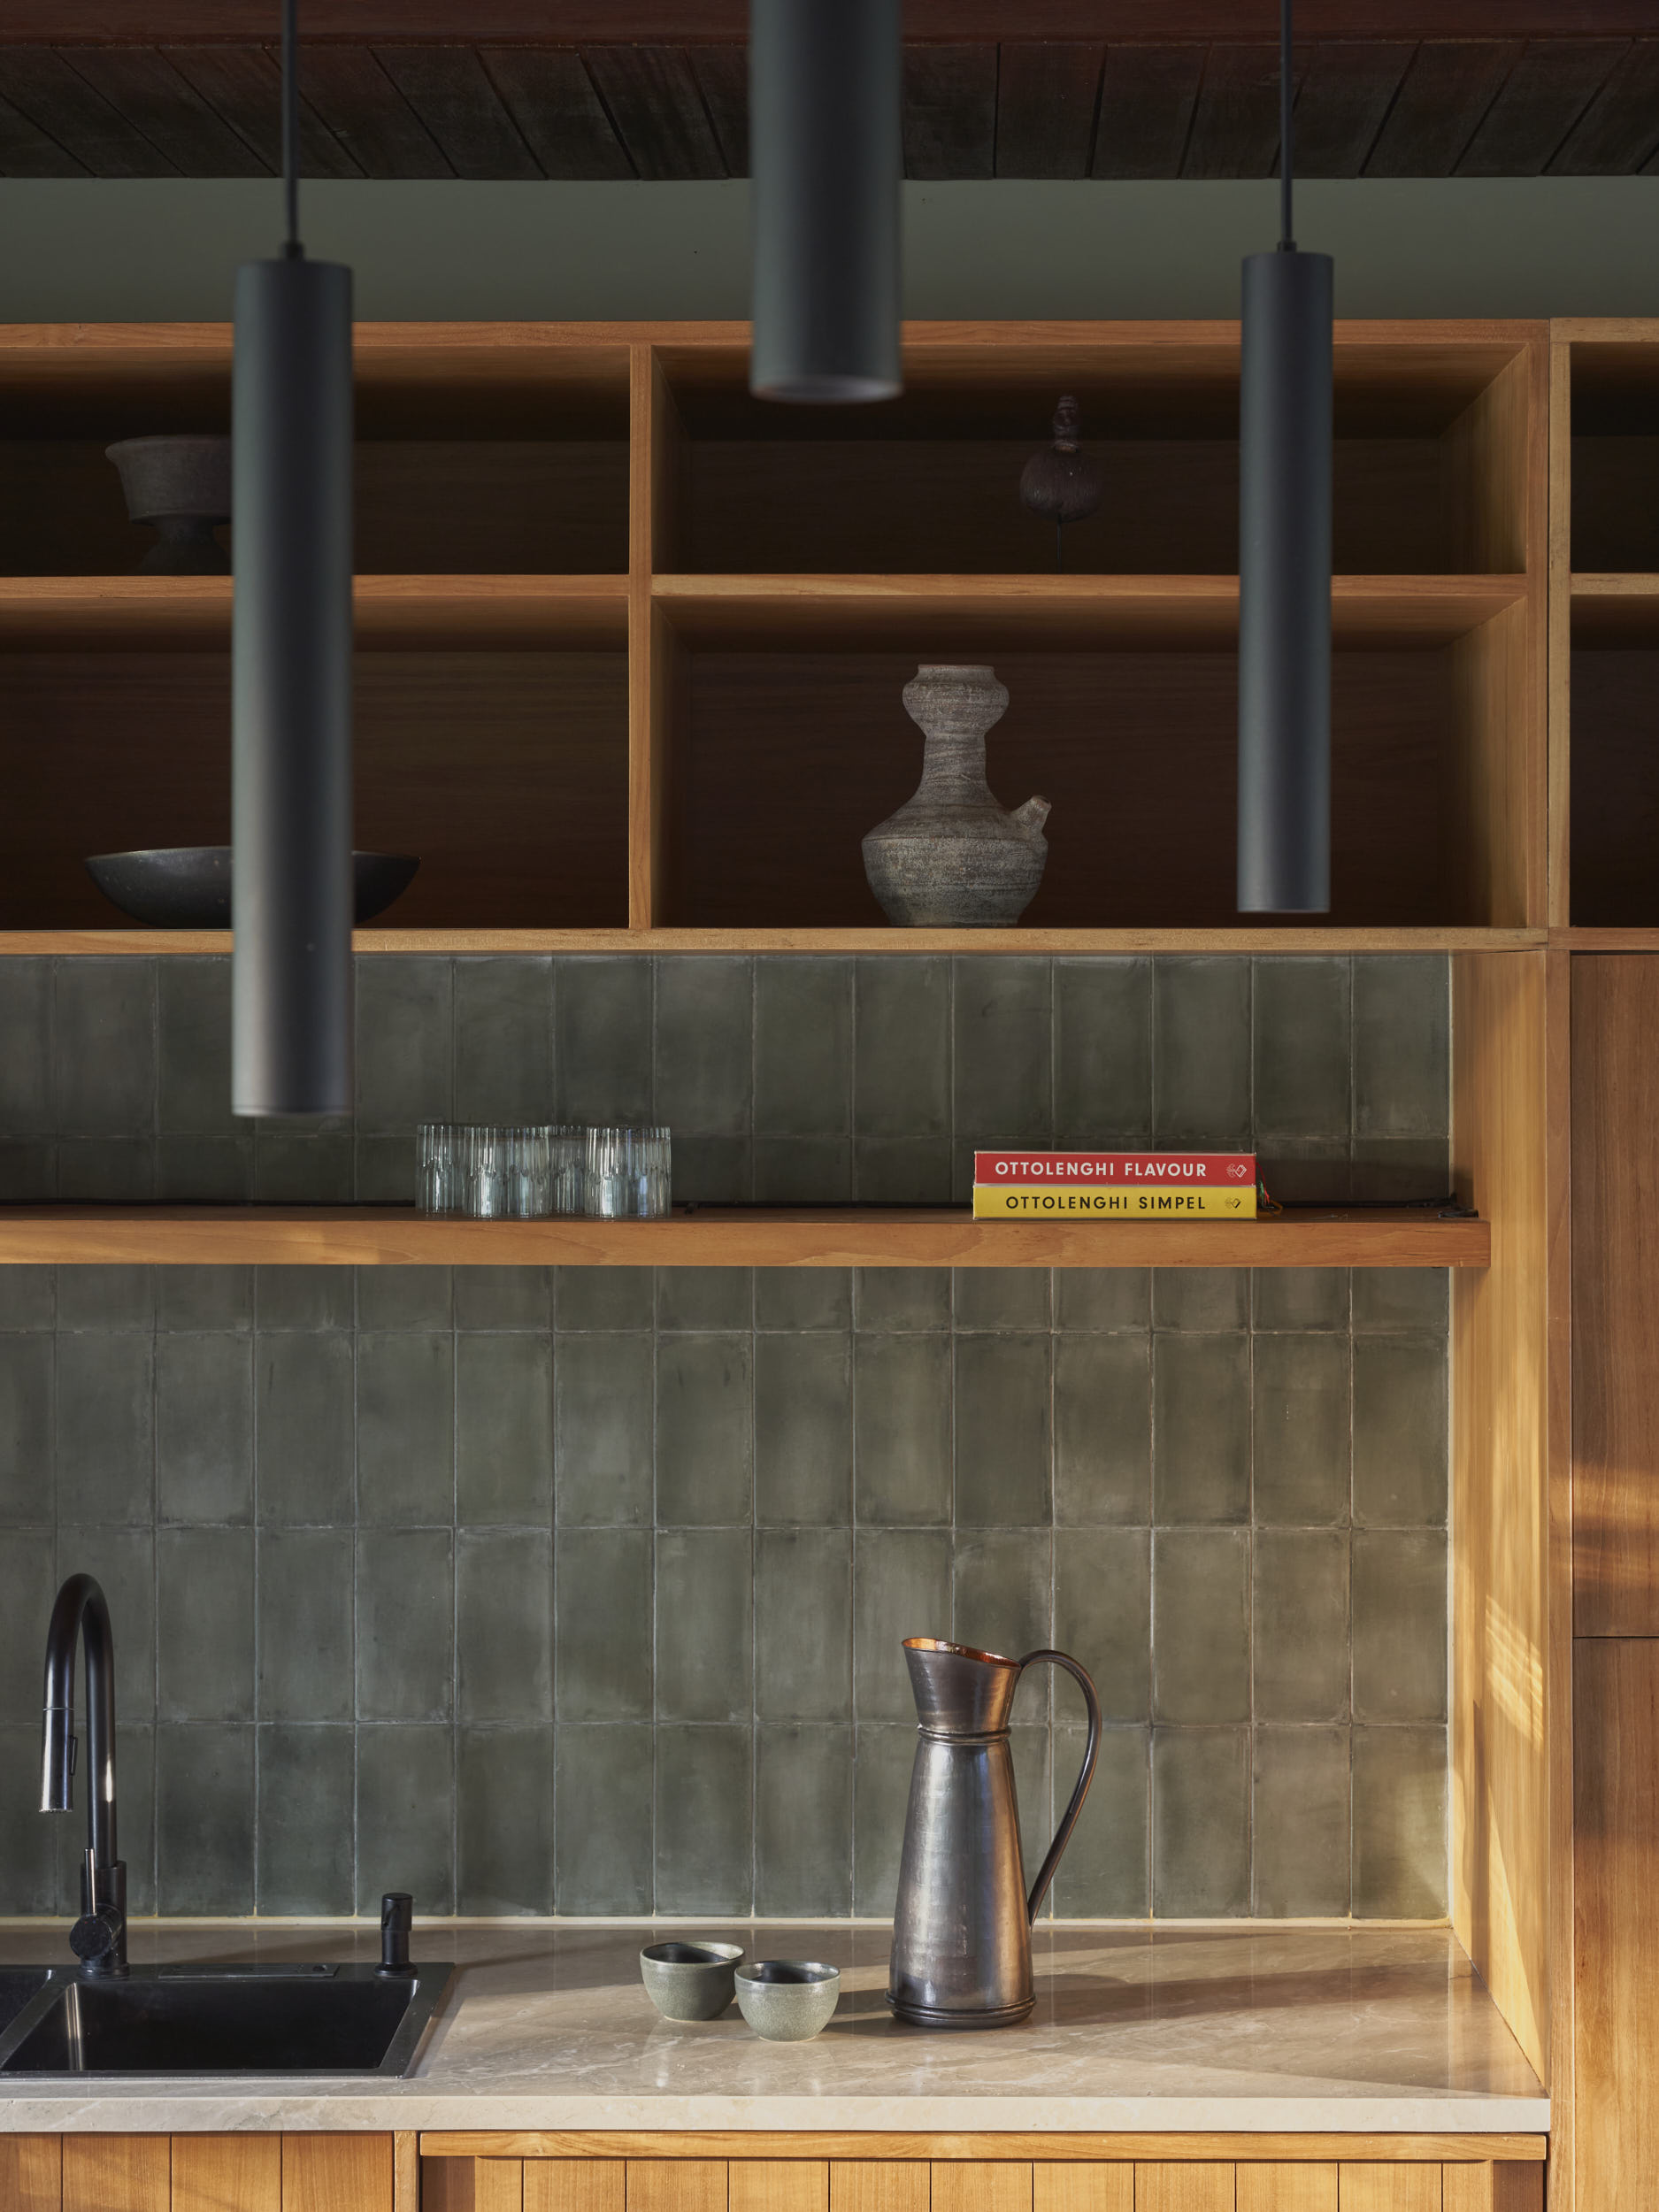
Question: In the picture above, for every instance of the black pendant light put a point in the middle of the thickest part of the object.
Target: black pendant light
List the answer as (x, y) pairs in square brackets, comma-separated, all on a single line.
[(1285, 429), (825, 157), (291, 889)]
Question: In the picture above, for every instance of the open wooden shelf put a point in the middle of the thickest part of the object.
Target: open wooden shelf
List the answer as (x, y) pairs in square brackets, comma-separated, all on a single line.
[(1616, 610), (390, 1236), (1314, 936), (46, 613), (1149, 613)]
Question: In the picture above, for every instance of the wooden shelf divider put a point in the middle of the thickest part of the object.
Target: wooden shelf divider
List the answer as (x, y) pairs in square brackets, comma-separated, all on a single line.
[(47, 613), (711, 1236), (1151, 613)]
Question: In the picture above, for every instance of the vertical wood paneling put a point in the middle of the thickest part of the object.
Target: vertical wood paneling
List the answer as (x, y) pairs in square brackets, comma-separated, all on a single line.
[(1198, 2186), (767, 2184), (676, 2184), (1084, 2187), (103, 2173), (1615, 1295), (336, 2173), (1285, 2188), (31, 2173), (963, 2185), (227, 2173), (1499, 1778), (574, 2184), (1506, 2185), (1392, 2188), (1616, 1947), (878, 2185), (406, 2171)]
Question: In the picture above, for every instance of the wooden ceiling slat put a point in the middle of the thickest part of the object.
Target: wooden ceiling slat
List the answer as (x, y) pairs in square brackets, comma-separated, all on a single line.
[(243, 87), (1620, 131), (146, 89), (949, 112), (368, 114), (1543, 97), (1235, 126), (47, 93), (450, 90), (26, 152), (1438, 107), (722, 75), (562, 119), (1147, 98), (1045, 98), (655, 102), (1347, 87)]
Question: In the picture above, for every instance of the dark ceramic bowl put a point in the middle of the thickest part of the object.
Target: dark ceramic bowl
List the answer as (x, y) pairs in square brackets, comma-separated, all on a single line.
[(187, 887)]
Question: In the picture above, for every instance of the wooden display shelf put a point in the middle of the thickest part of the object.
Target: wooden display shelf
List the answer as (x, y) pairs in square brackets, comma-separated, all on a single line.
[(1147, 613), (1616, 610), (1287, 939), (722, 1236), (47, 613)]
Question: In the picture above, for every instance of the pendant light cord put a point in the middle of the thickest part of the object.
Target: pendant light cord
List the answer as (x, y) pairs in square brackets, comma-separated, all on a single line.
[(292, 250), (1286, 230)]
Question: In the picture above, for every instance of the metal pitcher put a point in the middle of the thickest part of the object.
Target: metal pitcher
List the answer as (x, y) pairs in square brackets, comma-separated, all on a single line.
[(962, 1931)]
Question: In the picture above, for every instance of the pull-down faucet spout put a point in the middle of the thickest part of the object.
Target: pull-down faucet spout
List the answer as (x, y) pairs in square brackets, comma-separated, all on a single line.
[(79, 1613)]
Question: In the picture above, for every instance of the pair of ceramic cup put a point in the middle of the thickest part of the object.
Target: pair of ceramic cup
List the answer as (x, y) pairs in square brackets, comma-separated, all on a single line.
[(786, 2001)]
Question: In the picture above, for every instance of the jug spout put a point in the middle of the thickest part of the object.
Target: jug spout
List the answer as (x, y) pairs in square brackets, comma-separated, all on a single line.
[(959, 1691)]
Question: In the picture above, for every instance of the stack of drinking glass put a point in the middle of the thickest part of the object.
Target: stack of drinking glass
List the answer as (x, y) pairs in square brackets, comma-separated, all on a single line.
[(533, 1173)]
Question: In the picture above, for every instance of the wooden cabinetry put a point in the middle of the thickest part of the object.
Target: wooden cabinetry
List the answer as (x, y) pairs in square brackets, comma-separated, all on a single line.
[(209, 2173), (1104, 2174)]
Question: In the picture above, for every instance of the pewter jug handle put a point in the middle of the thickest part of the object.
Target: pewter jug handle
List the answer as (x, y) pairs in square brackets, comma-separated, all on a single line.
[(1091, 1752)]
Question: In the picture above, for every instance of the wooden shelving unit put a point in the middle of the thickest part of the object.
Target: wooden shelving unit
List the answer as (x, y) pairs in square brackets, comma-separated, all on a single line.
[(711, 1236)]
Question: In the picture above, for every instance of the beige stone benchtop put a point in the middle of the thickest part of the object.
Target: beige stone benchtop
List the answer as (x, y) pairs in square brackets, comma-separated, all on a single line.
[(1246, 2027)]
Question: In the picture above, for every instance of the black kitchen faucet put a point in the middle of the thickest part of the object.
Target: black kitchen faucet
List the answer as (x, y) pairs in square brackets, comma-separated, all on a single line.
[(98, 1938)]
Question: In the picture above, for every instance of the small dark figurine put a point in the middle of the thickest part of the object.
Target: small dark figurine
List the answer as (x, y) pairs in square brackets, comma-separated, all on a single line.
[(1061, 482)]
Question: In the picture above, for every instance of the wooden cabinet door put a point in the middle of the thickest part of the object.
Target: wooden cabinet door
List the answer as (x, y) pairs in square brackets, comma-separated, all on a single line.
[(336, 2173), (879, 2185), (980, 2184), (676, 2184), (1286, 2187), (1193, 2185), (1364, 2186), (31, 2173), (777, 2185), (574, 2184), (1085, 2185), (1616, 1932), (227, 2173), (104, 2172), (1615, 1294)]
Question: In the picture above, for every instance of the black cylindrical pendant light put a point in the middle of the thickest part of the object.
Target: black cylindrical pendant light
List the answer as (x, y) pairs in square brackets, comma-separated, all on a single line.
[(1285, 432), (825, 159), (291, 885)]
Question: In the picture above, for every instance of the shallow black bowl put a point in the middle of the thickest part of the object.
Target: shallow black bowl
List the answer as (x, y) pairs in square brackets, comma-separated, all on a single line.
[(187, 887)]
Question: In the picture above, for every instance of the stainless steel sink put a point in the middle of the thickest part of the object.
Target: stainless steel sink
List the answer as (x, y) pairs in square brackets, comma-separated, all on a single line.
[(223, 2020)]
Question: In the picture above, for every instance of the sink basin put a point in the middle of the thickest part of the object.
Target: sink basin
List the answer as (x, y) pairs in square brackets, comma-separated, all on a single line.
[(18, 1984), (225, 2020)]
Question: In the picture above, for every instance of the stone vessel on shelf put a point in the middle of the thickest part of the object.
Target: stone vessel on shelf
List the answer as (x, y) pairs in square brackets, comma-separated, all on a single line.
[(951, 858), (180, 487)]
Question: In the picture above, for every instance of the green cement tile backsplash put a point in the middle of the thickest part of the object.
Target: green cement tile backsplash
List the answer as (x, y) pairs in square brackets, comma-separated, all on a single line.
[(582, 1589)]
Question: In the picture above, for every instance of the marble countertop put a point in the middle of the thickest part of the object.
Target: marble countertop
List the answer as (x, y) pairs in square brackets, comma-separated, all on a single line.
[(1246, 2028)]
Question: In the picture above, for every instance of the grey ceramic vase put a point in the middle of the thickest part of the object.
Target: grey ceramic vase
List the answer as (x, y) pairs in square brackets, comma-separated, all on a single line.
[(951, 858), (181, 487)]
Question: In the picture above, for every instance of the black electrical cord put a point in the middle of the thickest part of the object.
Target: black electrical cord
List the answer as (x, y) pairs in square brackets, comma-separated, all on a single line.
[(292, 249), (1286, 228)]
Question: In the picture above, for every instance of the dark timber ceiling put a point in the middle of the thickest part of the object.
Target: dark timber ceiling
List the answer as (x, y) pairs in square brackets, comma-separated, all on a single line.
[(656, 89)]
